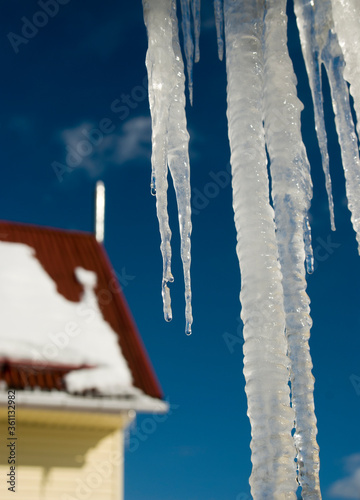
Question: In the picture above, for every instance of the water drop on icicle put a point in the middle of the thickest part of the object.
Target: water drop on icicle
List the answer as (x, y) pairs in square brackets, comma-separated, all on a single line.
[(309, 255)]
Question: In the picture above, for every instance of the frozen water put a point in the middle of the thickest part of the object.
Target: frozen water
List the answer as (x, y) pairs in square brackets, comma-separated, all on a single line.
[(291, 193), (347, 27), (188, 43), (265, 348), (273, 246), (170, 138), (313, 26), (219, 21)]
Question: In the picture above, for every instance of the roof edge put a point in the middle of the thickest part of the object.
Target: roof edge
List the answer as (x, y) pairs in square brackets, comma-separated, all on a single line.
[(64, 401), (46, 228)]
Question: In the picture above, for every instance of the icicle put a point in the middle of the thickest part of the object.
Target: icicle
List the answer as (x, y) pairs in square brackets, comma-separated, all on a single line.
[(312, 38), (179, 164), (196, 17), (318, 15), (169, 136), (334, 63), (219, 21), (309, 255), (265, 359), (291, 193), (347, 26), (188, 44)]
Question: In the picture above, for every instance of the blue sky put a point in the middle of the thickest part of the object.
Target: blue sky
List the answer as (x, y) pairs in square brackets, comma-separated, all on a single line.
[(83, 70)]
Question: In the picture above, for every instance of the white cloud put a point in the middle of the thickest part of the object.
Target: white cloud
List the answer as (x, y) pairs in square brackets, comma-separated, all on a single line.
[(348, 487), (134, 141), (87, 149)]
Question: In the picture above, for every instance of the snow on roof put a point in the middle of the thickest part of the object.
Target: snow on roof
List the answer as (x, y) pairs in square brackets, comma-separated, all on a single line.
[(59, 399), (41, 325), (65, 322), (91, 293)]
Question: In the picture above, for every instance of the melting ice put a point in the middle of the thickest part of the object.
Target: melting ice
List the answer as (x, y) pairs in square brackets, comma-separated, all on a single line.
[(273, 242)]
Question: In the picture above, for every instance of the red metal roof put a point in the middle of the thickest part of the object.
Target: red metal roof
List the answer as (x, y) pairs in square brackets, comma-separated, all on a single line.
[(21, 374), (59, 253)]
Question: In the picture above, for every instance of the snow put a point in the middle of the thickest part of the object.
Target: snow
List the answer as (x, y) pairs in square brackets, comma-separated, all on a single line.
[(40, 325), (55, 399), (87, 279)]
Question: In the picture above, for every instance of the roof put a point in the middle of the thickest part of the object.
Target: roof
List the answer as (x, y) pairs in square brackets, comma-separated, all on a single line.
[(62, 254)]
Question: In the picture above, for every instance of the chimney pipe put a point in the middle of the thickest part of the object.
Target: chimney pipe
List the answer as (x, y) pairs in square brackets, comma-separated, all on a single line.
[(99, 211)]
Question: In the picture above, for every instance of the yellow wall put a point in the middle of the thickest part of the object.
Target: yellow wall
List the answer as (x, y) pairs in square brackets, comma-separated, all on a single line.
[(62, 455)]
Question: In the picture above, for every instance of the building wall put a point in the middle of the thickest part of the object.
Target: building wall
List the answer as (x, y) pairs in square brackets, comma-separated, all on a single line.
[(62, 455)]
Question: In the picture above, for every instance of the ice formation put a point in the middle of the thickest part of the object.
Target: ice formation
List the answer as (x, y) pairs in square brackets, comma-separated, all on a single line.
[(347, 27), (219, 21), (291, 193), (320, 45), (273, 236), (265, 367), (312, 45), (170, 138)]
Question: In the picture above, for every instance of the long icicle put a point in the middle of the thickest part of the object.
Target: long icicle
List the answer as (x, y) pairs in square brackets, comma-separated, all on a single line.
[(219, 22), (179, 164), (334, 63), (167, 105), (291, 193), (265, 348), (195, 5), (324, 43), (347, 26), (188, 43), (312, 37)]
